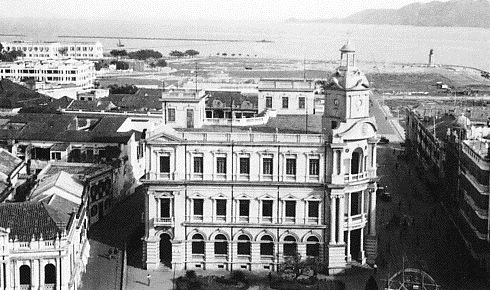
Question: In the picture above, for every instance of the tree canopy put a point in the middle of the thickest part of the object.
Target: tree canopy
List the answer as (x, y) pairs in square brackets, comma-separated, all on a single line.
[(191, 52), (144, 54), (176, 53), (125, 89), (9, 56), (63, 50), (161, 63), (119, 52)]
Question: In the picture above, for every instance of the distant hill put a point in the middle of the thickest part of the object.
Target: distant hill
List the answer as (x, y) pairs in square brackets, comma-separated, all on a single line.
[(453, 13)]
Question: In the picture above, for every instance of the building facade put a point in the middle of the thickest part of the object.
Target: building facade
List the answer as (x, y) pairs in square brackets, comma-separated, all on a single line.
[(457, 162), (247, 200), (63, 72), (47, 50), (286, 96)]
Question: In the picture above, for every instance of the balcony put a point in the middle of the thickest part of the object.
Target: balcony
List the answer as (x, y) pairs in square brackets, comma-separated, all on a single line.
[(355, 177), (163, 221), (49, 287), (355, 221)]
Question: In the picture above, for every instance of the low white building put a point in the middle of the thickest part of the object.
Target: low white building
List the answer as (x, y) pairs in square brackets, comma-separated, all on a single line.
[(46, 50), (79, 73)]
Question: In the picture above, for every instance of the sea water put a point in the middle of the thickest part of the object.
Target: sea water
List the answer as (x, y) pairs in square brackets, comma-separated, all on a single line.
[(464, 46)]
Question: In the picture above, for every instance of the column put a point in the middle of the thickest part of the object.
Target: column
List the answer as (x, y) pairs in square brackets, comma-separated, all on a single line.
[(333, 205), (340, 239), (334, 162), (372, 214), (348, 246)]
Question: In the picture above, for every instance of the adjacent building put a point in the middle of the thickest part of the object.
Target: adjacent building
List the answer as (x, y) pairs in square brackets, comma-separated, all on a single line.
[(51, 50), (224, 197), (455, 160), (63, 72)]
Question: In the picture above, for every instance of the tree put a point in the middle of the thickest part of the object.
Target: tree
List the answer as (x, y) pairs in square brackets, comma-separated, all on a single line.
[(119, 52), (161, 63), (1, 47), (294, 267), (126, 89), (191, 52), (176, 53), (63, 50), (11, 55), (121, 65), (371, 284), (145, 54)]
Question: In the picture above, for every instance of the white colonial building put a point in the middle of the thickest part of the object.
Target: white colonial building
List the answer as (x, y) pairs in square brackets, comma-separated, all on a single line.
[(64, 72), (49, 50), (231, 198)]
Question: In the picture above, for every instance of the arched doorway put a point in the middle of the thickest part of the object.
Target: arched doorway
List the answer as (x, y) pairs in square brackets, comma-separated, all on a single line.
[(356, 161), (49, 274), (355, 245), (25, 275), (166, 250)]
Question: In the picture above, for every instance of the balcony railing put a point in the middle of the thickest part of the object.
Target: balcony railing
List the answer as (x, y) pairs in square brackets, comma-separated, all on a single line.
[(357, 220), (355, 177), (163, 221), (25, 287), (49, 287)]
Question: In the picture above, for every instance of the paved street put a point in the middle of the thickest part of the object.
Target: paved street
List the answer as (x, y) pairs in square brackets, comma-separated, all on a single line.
[(414, 229)]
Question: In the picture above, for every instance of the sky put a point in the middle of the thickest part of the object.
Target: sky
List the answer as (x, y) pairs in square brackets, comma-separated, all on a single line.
[(252, 10)]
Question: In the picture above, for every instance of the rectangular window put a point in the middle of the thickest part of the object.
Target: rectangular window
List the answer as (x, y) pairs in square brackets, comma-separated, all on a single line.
[(244, 165), (290, 166), (267, 208), (268, 102), (55, 155), (244, 208), (285, 102), (221, 207), (198, 207), (290, 209), (165, 207), (165, 164), (355, 204), (313, 207), (301, 104), (171, 114), (267, 166), (314, 167), (198, 164), (221, 165)]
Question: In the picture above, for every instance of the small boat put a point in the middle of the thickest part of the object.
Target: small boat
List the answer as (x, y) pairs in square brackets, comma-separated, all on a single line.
[(264, 41), (119, 44)]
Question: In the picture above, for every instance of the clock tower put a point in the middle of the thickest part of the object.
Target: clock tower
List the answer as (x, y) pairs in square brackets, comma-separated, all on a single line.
[(350, 135)]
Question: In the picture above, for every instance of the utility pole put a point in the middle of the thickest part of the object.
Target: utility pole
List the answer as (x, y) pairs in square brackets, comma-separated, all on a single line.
[(195, 71)]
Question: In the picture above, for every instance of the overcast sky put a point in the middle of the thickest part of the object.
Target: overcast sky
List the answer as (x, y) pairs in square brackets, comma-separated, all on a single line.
[(273, 10)]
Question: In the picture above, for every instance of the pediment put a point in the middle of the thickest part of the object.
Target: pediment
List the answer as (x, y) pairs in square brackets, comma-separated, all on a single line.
[(196, 195), (290, 197), (219, 196), (365, 129), (266, 196), (243, 196)]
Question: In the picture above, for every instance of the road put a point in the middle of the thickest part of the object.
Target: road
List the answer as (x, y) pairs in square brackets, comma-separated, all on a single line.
[(414, 230)]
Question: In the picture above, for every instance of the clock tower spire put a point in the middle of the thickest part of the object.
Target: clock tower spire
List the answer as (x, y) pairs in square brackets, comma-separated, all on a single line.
[(350, 135)]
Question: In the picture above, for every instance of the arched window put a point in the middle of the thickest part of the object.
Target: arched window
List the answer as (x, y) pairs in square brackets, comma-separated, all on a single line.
[(198, 244), (25, 275), (290, 247), (266, 246), (49, 274), (243, 247), (312, 247), (356, 161), (220, 245)]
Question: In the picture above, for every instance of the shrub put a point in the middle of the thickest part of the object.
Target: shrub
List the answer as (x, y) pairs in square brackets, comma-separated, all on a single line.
[(191, 274), (238, 276)]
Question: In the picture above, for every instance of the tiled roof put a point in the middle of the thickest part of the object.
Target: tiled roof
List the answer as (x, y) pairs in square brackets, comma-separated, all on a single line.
[(28, 219), (8, 162), (226, 99), (62, 128), (14, 95), (72, 188), (82, 169)]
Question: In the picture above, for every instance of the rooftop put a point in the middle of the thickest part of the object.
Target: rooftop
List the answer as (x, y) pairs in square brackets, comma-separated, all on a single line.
[(8, 163), (63, 128), (32, 219)]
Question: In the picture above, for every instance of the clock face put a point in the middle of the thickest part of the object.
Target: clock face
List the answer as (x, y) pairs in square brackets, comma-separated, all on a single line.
[(336, 102)]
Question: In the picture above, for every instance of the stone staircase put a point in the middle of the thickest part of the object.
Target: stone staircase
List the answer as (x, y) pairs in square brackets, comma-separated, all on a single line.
[(371, 249)]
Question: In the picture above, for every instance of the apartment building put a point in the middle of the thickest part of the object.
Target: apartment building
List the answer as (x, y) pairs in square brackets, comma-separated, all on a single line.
[(229, 198), (63, 72), (47, 50), (456, 161)]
